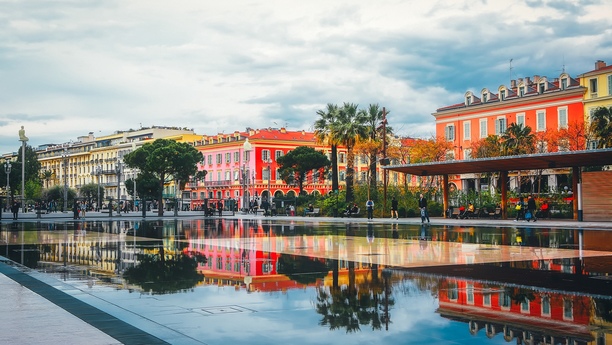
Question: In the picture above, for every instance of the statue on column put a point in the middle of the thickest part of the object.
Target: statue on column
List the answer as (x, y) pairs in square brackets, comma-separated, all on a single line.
[(22, 136)]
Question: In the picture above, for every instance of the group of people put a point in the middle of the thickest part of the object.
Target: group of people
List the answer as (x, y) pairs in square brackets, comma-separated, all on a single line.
[(422, 202), (527, 210)]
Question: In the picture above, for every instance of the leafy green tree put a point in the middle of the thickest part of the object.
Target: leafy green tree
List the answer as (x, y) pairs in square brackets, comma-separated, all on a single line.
[(90, 192), (600, 127), (56, 193), (487, 147), (33, 190), (163, 161), (348, 130), (297, 163), (31, 171), (323, 132), (518, 140)]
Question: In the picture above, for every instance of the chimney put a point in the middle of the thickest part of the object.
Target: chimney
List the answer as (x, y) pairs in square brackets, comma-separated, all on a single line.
[(283, 130), (599, 64), (512, 84), (536, 78), (527, 81)]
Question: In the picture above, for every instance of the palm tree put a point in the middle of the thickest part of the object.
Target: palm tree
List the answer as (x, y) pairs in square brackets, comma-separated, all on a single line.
[(601, 127), (47, 175), (349, 128), (373, 116), (325, 136), (518, 140)]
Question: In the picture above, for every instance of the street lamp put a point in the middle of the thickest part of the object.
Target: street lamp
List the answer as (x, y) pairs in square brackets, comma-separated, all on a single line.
[(65, 161), (246, 147), (269, 161), (23, 139), (98, 172), (7, 170), (118, 171)]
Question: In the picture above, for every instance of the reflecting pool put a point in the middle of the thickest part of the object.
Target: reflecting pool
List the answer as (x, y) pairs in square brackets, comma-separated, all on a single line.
[(261, 281)]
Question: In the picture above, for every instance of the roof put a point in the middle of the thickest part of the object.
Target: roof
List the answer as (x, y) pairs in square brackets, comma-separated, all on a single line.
[(509, 163)]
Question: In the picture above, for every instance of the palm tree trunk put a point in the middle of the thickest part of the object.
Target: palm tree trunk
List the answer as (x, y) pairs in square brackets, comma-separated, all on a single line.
[(373, 176), (350, 173), (334, 159)]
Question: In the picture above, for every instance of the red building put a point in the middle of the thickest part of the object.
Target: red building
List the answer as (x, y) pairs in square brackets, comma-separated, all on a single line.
[(540, 103)]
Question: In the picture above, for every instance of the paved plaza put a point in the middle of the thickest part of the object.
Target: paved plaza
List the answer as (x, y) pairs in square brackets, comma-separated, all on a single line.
[(36, 310)]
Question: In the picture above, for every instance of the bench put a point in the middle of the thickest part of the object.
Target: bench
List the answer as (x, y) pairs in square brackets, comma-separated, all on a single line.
[(315, 212), (350, 214)]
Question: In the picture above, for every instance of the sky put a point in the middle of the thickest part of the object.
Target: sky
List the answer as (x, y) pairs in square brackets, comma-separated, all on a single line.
[(70, 67)]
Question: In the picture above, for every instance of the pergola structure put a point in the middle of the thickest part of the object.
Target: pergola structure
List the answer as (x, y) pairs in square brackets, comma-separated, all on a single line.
[(503, 165)]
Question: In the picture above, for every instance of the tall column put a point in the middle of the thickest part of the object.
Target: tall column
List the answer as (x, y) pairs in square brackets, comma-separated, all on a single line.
[(503, 176)]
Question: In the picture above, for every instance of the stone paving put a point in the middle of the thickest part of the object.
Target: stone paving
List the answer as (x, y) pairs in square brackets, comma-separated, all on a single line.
[(34, 312)]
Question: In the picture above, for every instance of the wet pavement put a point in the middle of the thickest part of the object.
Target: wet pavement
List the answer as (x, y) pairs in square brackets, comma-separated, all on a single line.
[(266, 280)]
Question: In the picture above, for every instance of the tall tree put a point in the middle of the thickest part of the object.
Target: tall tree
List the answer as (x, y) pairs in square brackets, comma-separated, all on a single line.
[(518, 140), (349, 129), (373, 117), (165, 160), (324, 135), (600, 127), (297, 163)]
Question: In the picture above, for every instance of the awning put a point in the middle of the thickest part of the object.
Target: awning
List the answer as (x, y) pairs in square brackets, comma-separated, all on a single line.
[(509, 163)]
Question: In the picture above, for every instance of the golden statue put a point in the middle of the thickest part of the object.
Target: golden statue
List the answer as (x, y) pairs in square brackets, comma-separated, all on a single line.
[(22, 136)]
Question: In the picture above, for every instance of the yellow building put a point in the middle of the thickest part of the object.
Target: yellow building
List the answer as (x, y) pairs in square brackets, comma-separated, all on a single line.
[(98, 160), (598, 83)]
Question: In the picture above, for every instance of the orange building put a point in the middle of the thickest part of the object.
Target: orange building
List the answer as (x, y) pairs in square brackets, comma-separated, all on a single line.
[(540, 103)]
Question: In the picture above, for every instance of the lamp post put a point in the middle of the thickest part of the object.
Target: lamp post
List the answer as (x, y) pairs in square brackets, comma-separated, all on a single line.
[(269, 161), (65, 161), (98, 173), (23, 140), (246, 147), (118, 171), (7, 170)]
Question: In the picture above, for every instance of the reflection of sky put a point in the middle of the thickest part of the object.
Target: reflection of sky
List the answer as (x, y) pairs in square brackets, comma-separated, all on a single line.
[(270, 317)]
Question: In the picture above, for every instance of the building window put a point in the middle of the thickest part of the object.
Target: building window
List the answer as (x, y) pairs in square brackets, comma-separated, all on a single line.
[(228, 157), (563, 83), (545, 306), (228, 175), (218, 176), (525, 306), (236, 175), (219, 158), (483, 128), (486, 300), (541, 87), (504, 300), (468, 100), (278, 153), (265, 155), (610, 85), (520, 119), (502, 95), (521, 91), (237, 156), (568, 309), (449, 133), (467, 154), (500, 125), (540, 120), (470, 293), (467, 133), (342, 157), (209, 159), (562, 114), (593, 87), (342, 175), (485, 97)]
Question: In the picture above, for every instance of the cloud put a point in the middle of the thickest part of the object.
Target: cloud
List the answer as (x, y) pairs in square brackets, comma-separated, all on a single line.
[(73, 67)]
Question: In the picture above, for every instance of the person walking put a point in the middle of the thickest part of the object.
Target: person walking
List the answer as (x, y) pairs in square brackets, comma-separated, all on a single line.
[(370, 209), (394, 205), (520, 209), (423, 207), (15, 210), (273, 208), (531, 208)]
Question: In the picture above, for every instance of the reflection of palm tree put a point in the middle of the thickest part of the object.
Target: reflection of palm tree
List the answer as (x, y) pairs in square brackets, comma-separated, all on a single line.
[(351, 306)]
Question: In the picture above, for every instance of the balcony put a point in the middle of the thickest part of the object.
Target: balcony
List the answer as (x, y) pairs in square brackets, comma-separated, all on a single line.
[(223, 183)]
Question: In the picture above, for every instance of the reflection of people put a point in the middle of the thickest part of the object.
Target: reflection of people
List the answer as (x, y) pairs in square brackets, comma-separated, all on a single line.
[(22, 136)]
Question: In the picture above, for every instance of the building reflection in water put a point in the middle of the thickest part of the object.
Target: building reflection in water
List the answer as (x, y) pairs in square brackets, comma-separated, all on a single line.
[(561, 301)]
